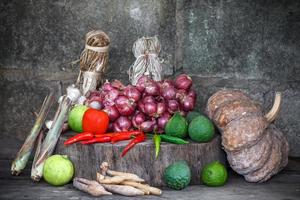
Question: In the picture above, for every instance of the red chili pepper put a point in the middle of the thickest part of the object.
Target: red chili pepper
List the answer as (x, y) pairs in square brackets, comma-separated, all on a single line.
[(104, 135), (137, 139), (119, 136), (79, 137), (97, 140)]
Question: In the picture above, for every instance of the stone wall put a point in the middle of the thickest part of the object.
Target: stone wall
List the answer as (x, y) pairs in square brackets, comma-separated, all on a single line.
[(251, 45)]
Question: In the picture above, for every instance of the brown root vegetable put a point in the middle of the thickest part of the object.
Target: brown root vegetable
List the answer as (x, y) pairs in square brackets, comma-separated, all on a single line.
[(147, 188), (109, 180), (91, 187), (104, 167), (254, 148), (123, 190)]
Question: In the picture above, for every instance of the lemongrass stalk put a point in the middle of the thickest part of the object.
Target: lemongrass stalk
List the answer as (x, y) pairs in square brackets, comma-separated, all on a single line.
[(39, 143), (54, 132), (23, 155)]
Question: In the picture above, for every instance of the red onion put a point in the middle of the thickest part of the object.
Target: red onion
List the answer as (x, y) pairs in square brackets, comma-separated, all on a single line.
[(138, 119), (124, 105), (110, 97), (183, 81), (187, 103), (167, 83), (173, 106), (148, 99), (163, 120), (96, 105), (117, 84), (132, 93), (180, 94), (161, 108), (148, 126), (112, 112), (141, 83), (168, 92), (107, 86), (141, 106), (192, 93), (150, 108), (122, 124), (152, 88)]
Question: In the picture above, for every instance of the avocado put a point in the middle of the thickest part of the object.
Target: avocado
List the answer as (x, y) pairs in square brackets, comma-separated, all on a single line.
[(177, 175)]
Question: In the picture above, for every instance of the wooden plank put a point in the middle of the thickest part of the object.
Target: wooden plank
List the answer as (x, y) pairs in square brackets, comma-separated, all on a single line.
[(141, 159)]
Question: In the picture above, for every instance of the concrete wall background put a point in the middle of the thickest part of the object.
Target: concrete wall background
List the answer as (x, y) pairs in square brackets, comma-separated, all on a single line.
[(251, 45)]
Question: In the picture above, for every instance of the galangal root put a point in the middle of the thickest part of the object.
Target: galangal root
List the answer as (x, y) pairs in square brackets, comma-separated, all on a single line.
[(109, 181), (91, 187), (132, 181)]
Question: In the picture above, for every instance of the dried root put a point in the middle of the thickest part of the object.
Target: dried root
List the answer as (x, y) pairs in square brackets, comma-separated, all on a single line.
[(91, 187)]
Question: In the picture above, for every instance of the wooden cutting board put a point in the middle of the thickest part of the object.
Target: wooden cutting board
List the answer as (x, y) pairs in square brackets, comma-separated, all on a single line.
[(141, 159)]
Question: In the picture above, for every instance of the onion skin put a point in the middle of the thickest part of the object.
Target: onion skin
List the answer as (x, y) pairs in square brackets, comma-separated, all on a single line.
[(112, 112), (152, 88), (187, 103), (173, 106), (141, 83), (161, 108), (141, 106), (132, 93), (148, 99), (168, 93), (122, 124), (150, 108), (163, 120), (183, 81), (124, 105), (148, 126), (138, 119), (107, 86)]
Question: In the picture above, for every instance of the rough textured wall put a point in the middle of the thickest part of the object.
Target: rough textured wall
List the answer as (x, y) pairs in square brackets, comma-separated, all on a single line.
[(252, 45)]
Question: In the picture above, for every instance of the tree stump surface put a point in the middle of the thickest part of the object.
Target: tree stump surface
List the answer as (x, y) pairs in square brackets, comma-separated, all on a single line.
[(141, 158)]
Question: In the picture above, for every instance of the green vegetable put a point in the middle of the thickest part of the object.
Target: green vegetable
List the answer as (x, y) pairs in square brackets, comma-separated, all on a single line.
[(177, 175), (201, 129), (157, 140), (75, 117), (58, 170), (214, 174), (192, 115), (177, 126), (171, 139)]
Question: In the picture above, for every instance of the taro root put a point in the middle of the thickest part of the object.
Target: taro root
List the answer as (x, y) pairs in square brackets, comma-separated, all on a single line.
[(255, 148)]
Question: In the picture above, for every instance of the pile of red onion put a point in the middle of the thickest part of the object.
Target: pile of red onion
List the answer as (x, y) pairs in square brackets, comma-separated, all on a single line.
[(148, 106)]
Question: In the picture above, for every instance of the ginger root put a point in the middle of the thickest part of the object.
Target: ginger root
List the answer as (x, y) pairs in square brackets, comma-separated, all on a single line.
[(144, 187), (104, 167), (91, 187), (123, 190)]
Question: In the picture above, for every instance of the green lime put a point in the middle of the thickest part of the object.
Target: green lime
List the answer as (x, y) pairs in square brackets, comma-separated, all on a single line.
[(177, 175), (214, 174), (75, 117), (192, 115), (201, 129), (58, 170), (177, 126)]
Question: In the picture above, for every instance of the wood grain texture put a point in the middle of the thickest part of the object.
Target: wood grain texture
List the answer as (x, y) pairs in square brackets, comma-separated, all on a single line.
[(141, 159)]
